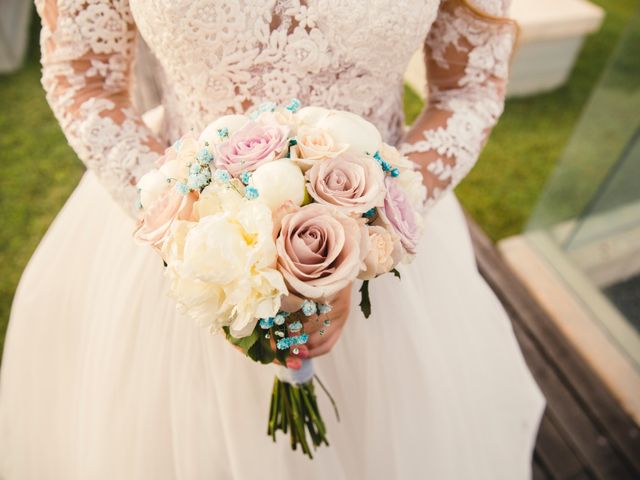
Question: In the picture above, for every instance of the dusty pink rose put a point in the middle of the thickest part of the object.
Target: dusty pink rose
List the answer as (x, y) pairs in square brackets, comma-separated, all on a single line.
[(320, 250), (253, 145), (351, 183), (157, 221), (400, 215)]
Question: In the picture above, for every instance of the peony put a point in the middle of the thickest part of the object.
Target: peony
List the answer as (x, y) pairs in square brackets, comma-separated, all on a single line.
[(255, 144), (320, 250), (400, 215), (156, 223), (232, 123), (278, 182), (379, 260), (222, 267), (351, 183), (410, 178), (315, 144)]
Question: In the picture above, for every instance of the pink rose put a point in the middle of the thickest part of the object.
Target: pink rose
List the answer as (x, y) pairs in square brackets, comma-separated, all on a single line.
[(253, 145), (351, 183), (400, 215), (157, 221), (320, 250)]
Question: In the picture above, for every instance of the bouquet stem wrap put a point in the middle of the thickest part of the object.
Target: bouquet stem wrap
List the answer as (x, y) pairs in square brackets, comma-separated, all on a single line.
[(294, 408)]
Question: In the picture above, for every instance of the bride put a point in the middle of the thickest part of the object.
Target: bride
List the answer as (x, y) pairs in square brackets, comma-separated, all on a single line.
[(102, 379)]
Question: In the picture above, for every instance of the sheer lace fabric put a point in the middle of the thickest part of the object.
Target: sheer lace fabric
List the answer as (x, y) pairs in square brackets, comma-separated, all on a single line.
[(87, 49), (221, 57), (467, 54)]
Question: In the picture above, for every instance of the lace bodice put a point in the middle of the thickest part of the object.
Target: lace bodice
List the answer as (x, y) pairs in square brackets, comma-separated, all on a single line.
[(220, 57)]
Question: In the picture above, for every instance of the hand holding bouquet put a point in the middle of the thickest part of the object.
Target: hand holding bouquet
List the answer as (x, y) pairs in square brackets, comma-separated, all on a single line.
[(263, 218)]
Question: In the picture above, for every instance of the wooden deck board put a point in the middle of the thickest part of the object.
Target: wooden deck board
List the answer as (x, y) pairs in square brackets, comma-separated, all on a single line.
[(585, 433)]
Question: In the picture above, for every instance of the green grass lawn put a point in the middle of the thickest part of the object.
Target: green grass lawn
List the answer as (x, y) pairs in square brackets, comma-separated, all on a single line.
[(38, 170)]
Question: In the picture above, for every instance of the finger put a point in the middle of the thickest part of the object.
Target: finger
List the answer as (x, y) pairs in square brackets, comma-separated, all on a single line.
[(303, 351), (326, 344), (294, 363)]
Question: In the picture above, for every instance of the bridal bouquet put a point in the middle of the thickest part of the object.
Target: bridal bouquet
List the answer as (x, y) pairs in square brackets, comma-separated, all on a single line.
[(263, 218)]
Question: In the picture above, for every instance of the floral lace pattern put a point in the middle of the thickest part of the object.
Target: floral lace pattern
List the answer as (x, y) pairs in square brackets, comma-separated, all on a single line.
[(467, 56), (224, 56)]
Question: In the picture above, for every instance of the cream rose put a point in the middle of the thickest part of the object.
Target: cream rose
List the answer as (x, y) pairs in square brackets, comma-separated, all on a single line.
[(351, 183), (315, 144), (380, 259), (320, 250)]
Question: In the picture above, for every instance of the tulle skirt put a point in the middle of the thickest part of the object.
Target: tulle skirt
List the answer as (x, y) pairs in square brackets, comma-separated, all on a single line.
[(102, 379)]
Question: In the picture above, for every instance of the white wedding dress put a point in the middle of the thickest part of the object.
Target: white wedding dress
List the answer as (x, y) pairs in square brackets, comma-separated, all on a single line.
[(102, 379)]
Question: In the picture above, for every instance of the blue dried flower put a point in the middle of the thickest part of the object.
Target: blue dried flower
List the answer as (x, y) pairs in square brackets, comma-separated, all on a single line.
[(324, 308), (222, 176), (295, 326), (293, 105), (245, 177), (204, 155), (309, 308), (266, 323), (251, 193)]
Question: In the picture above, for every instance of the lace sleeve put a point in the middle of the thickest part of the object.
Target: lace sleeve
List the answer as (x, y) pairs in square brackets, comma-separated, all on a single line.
[(87, 50), (467, 55)]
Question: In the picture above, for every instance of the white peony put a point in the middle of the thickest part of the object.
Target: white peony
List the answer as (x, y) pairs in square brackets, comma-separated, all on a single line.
[(222, 267), (278, 182), (232, 123)]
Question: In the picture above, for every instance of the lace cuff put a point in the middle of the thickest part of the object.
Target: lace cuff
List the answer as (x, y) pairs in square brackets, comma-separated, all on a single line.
[(87, 51), (467, 54)]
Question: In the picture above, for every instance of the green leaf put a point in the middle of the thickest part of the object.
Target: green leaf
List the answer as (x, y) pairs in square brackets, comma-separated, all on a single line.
[(365, 302), (396, 273), (244, 343), (261, 350)]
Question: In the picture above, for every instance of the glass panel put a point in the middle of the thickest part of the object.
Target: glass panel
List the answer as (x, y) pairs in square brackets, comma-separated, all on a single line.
[(589, 213)]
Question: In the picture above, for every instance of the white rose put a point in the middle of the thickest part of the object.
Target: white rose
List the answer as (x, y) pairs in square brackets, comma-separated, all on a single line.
[(348, 128), (277, 182), (282, 116), (232, 123), (380, 259), (175, 169), (151, 187), (311, 115), (315, 144)]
